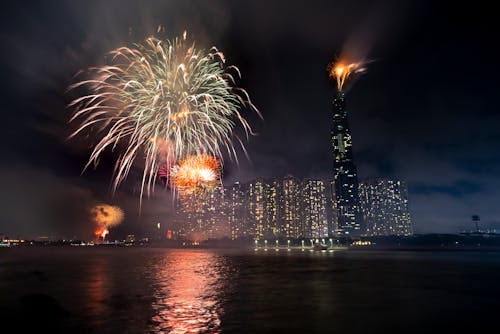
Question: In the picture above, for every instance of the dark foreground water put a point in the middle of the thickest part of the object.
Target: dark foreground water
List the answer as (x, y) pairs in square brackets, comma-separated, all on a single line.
[(134, 290)]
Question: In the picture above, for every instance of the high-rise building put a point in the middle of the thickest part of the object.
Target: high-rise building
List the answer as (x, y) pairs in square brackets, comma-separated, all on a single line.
[(290, 218), (203, 215), (314, 220), (384, 204), (237, 215), (345, 182), (256, 207), (215, 213), (271, 217), (333, 226), (190, 216)]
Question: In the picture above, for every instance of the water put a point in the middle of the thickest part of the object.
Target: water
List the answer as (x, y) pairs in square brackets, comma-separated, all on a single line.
[(146, 290)]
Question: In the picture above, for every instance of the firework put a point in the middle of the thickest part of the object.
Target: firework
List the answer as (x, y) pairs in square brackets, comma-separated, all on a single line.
[(341, 70), (195, 174), (164, 174), (105, 216), (101, 232), (163, 101)]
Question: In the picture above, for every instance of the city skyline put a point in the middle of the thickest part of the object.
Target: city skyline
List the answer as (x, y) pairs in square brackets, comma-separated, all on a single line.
[(413, 115), (289, 208), (250, 166), (259, 209)]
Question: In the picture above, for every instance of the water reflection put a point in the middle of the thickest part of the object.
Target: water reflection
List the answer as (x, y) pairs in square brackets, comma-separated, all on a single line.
[(188, 292), (97, 285)]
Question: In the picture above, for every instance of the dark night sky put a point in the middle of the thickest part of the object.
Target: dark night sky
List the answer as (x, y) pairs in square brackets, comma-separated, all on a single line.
[(425, 110)]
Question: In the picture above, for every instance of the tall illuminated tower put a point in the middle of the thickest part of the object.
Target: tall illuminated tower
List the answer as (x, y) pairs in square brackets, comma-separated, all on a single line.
[(345, 182)]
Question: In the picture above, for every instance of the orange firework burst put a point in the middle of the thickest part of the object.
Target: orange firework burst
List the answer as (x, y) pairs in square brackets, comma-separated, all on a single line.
[(101, 232), (340, 71), (196, 173), (105, 216)]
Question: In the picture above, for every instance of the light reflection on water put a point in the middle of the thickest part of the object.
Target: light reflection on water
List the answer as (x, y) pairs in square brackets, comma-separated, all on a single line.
[(96, 285), (188, 292), (85, 291)]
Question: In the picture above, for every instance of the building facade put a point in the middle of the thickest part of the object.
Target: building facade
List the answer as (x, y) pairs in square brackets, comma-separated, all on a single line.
[(314, 219), (384, 204), (345, 190), (201, 216), (237, 210), (256, 208), (290, 217), (284, 208), (272, 212)]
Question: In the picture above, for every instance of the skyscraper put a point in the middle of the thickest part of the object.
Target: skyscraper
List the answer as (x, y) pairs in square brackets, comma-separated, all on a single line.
[(314, 221), (256, 207), (271, 217), (215, 213), (291, 225), (201, 216), (384, 204), (190, 216), (333, 226), (283, 208), (345, 182), (237, 214)]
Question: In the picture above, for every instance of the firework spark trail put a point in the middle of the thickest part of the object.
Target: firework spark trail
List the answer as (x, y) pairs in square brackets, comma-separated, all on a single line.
[(105, 216), (195, 174), (164, 99), (341, 70)]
